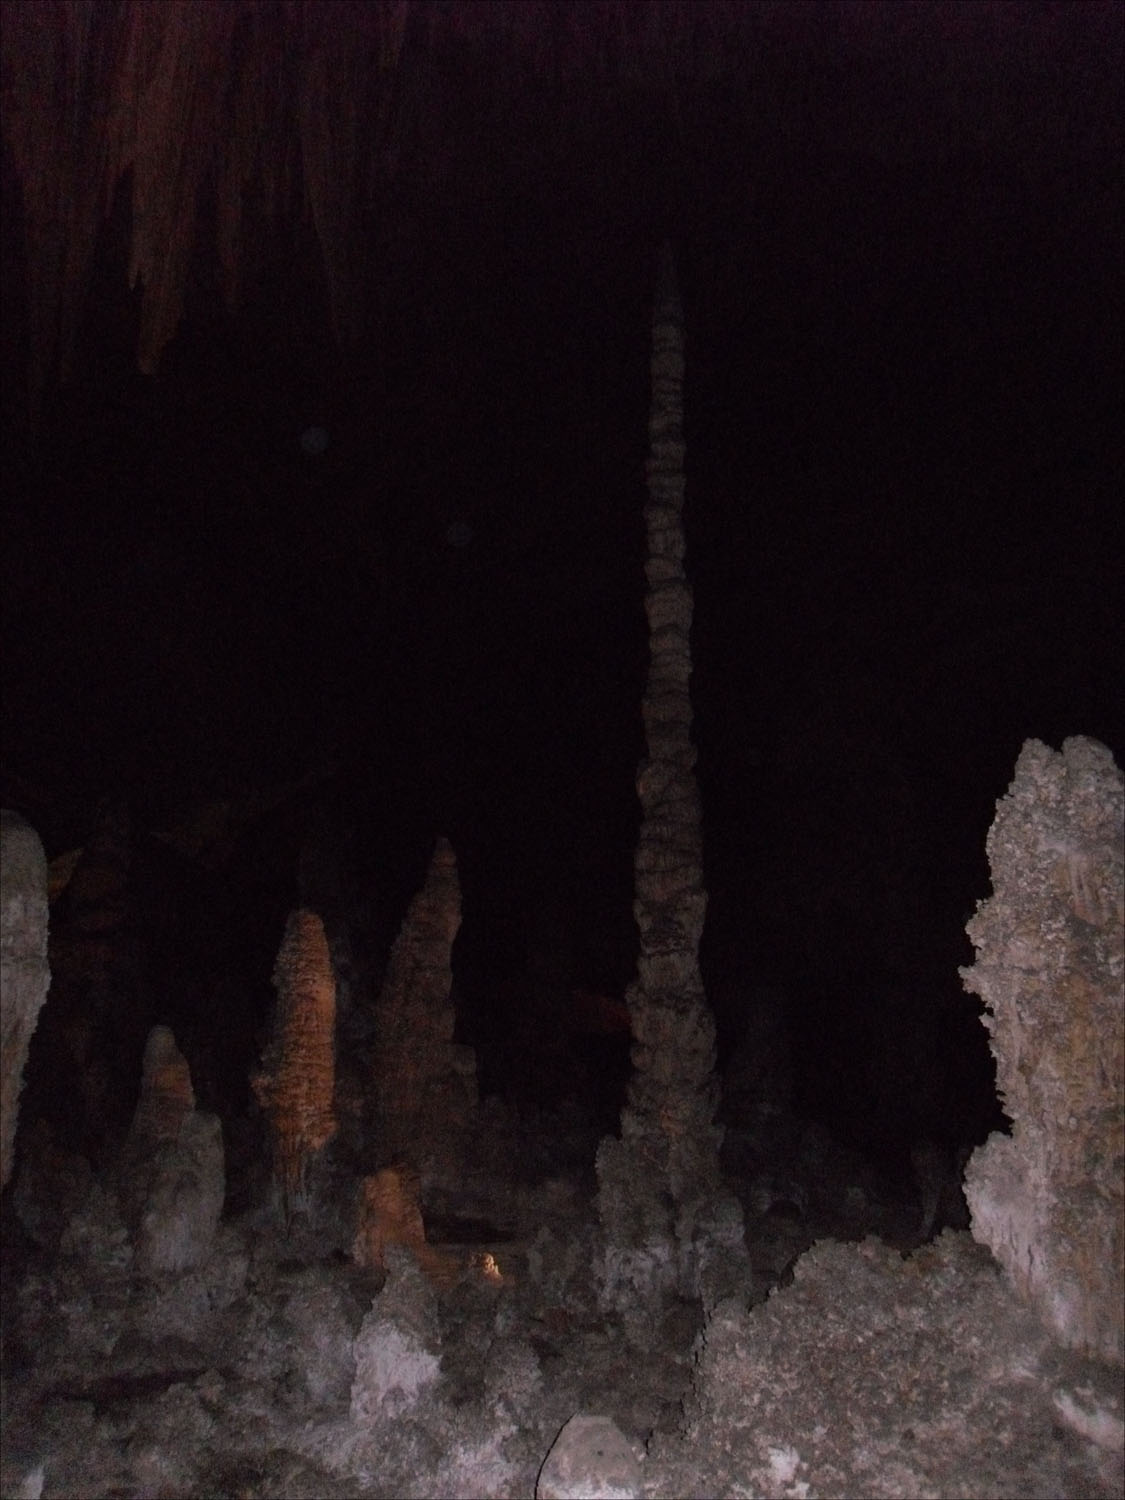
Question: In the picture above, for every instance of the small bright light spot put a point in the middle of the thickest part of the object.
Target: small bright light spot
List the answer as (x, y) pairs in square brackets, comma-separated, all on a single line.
[(314, 440), (486, 1265)]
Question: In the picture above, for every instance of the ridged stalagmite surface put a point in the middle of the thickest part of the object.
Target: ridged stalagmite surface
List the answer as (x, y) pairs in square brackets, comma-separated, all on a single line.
[(1049, 1201), (296, 1085)]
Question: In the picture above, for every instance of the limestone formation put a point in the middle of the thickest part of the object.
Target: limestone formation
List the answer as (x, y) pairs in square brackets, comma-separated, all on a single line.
[(660, 1181), (1048, 1201), (425, 1084), (96, 1021), (590, 1456), (295, 1087), (185, 1199), (390, 1213), (165, 1101), (398, 1347), (166, 1097), (24, 974), (172, 1173)]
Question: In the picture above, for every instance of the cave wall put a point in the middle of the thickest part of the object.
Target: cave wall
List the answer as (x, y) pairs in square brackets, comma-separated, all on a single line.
[(24, 973)]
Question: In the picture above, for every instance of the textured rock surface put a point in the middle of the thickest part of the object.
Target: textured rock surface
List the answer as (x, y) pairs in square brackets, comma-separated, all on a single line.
[(166, 1097), (263, 1374), (426, 1089), (398, 1348), (296, 1085), (24, 974), (171, 1171), (655, 1183), (184, 1200), (1048, 1201), (390, 1213), (95, 1026), (876, 1375), (590, 1460)]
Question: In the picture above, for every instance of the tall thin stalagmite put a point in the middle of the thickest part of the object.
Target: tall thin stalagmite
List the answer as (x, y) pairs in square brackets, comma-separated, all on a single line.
[(660, 1181)]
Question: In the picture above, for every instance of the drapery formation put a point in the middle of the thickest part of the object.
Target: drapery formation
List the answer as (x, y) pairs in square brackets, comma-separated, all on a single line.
[(225, 115), (253, 107), (222, 118)]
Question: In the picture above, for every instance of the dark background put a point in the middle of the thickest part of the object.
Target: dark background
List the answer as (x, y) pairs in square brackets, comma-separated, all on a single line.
[(898, 243)]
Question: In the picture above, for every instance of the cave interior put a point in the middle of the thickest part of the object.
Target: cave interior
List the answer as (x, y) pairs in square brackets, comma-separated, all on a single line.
[(325, 420)]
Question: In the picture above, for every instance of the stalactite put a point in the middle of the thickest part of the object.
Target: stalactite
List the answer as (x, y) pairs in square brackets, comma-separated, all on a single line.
[(296, 1085), (177, 94), (320, 101)]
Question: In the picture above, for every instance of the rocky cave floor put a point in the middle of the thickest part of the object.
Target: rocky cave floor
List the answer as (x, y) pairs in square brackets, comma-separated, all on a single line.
[(859, 1363)]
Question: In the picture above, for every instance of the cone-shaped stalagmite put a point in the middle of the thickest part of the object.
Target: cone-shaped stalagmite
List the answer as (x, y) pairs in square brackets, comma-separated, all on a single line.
[(425, 1083), (296, 1085), (172, 1171)]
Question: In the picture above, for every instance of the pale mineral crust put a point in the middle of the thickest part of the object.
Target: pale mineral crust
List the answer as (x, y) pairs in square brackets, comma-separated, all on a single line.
[(1048, 1200)]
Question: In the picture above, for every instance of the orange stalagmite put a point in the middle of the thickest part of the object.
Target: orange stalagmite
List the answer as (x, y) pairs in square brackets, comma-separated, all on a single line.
[(167, 1097), (390, 1213), (296, 1084)]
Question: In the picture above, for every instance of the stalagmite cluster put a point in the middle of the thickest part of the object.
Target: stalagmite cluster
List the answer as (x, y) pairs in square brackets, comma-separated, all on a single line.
[(425, 1084), (658, 1183), (1049, 1201), (295, 1086), (24, 974)]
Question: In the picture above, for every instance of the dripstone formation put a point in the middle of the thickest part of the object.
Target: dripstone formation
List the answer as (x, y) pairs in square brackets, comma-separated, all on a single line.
[(667, 1224), (425, 1083), (1048, 1200), (296, 1086), (172, 1170)]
